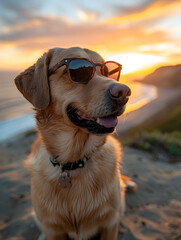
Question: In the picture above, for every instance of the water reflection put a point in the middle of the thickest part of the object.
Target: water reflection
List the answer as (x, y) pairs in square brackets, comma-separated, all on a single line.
[(141, 95)]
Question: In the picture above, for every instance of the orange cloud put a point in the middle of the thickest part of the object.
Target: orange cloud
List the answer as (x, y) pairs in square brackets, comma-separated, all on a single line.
[(156, 10), (136, 32)]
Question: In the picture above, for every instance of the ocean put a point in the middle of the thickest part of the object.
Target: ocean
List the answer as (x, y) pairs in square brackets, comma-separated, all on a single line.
[(16, 114), (12, 103)]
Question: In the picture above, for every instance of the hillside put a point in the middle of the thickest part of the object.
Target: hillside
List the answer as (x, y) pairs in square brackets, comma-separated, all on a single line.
[(167, 76)]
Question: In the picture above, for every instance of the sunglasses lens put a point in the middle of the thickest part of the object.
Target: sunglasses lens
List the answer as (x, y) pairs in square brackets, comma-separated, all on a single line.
[(112, 70), (80, 70)]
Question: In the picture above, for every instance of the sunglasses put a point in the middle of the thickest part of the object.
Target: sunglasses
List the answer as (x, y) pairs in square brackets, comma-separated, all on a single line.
[(81, 70)]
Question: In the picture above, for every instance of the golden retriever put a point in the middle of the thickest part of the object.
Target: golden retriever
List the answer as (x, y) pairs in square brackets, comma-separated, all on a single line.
[(76, 186)]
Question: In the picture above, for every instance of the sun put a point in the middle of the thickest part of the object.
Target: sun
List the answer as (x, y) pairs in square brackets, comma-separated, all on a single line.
[(133, 62)]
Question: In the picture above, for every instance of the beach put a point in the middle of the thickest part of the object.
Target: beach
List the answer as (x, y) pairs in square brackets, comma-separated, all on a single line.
[(152, 212), (67, 58)]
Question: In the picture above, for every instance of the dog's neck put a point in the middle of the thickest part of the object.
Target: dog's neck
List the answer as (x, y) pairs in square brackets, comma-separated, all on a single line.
[(68, 142)]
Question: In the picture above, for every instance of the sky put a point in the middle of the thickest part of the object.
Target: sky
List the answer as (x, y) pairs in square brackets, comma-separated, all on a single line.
[(139, 34)]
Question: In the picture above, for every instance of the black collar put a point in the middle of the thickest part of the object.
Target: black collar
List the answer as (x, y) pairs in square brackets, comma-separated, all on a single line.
[(70, 165)]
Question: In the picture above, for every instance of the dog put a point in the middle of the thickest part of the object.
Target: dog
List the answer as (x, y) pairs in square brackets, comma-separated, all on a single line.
[(76, 185)]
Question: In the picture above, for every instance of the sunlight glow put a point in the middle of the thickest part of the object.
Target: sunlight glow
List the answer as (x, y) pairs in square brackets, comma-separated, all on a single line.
[(15, 59), (133, 62), (157, 47)]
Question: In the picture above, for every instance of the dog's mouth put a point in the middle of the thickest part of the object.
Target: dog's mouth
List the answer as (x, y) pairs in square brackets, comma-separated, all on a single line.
[(97, 125)]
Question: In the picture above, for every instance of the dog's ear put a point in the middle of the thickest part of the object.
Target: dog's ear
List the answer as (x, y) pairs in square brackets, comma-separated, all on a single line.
[(33, 83)]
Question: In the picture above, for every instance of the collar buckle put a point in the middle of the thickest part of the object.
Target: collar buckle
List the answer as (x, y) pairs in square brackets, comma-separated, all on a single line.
[(55, 163)]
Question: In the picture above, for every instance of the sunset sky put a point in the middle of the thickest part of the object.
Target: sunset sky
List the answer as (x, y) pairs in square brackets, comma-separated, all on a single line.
[(140, 34)]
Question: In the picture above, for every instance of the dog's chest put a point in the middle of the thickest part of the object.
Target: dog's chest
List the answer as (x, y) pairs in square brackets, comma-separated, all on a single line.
[(79, 207)]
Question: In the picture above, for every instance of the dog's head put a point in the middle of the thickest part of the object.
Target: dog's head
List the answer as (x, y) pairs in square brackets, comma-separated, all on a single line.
[(92, 106)]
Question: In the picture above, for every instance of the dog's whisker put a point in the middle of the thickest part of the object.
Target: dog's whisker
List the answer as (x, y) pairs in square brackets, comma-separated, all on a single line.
[(124, 117), (71, 109), (116, 132)]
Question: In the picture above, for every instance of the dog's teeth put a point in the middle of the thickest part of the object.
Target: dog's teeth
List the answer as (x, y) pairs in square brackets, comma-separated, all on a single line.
[(98, 121)]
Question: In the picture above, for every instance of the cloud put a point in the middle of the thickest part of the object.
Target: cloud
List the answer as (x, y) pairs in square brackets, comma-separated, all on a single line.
[(15, 12), (155, 10), (30, 24), (47, 32), (34, 27)]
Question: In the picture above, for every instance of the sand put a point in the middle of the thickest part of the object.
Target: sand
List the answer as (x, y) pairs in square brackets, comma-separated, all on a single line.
[(153, 211)]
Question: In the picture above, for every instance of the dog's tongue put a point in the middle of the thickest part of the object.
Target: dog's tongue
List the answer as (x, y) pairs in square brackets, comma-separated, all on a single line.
[(109, 122)]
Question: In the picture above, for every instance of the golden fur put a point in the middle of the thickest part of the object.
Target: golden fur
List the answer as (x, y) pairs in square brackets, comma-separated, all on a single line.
[(95, 201)]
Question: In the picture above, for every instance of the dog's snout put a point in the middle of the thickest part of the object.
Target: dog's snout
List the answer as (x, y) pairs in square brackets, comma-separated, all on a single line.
[(119, 90), (119, 93)]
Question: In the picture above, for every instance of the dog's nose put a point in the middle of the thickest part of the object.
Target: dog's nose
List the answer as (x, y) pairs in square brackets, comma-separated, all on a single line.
[(119, 93)]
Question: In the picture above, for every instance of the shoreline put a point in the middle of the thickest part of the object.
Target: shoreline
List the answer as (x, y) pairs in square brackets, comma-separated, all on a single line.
[(151, 114), (13, 127), (132, 121)]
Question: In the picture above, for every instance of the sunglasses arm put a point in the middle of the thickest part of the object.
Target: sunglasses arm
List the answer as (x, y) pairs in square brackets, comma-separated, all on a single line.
[(55, 67), (115, 70)]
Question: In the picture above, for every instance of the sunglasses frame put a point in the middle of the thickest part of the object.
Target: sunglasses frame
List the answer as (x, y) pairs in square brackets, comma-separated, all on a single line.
[(66, 62)]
